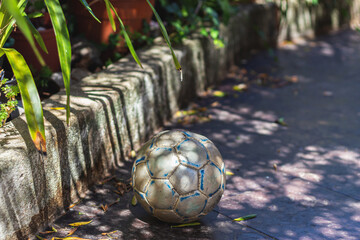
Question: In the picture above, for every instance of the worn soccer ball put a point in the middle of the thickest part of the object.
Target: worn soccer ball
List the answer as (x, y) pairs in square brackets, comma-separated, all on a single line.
[(178, 176)]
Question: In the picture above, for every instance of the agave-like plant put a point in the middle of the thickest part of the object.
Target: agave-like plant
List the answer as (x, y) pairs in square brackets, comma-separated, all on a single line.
[(12, 13)]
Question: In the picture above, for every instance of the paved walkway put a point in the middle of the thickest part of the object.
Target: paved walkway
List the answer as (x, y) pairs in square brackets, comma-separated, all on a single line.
[(302, 180)]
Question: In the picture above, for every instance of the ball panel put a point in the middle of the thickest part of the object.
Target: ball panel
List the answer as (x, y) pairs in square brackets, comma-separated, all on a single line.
[(162, 162), (224, 178), (161, 195), (212, 201), (215, 155), (140, 197), (168, 216), (198, 137), (191, 205), (184, 179), (192, 153), (144, 150), (169, 138), (210, 179), (141, 177)]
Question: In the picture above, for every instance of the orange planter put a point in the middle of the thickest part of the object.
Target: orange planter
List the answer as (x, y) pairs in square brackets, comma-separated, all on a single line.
[(51, 59), (132, 13)]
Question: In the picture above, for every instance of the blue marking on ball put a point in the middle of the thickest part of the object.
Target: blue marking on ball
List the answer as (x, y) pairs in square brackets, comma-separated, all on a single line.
[(186, 197)]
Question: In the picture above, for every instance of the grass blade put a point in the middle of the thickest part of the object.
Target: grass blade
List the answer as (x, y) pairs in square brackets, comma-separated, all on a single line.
[(127, 39), (247, 217), (86, 5), (166, 36), (17, 13), (111, 18), (63, 45), (30, 97)]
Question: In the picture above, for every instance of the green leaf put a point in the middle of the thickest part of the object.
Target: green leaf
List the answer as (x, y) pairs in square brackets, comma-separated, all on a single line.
[(281, 121), (166, 37), (219, 93), (111, 18), (186, 225), (127, 39), (36, 35), (134, 201), (17, 12), (30, 97), (89, 9), (228, 173), (247, 217), (35, 15), (63, 45)]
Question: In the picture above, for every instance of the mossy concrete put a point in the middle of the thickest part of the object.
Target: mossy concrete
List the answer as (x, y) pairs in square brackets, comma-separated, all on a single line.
[(113, 112)]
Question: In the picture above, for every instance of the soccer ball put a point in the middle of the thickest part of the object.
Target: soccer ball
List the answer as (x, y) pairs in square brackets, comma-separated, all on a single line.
[(178, 176)]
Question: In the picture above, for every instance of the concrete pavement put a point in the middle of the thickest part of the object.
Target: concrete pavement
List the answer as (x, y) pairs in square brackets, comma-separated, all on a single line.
[(302, 180)]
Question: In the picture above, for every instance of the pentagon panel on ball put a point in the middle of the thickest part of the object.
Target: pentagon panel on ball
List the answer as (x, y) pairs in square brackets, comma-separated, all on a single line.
[(178, 176)]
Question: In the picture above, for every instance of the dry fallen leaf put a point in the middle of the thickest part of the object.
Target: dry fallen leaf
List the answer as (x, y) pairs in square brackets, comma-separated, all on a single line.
[(275, 166), (116, 201), (186, 225), (123, 188), (202, 109), (215, 104), (132, 154), (76, 224), (107, 179), (104, 207), (74, 204), (47, 232), (104, 234), (71, 232), (72, 238)]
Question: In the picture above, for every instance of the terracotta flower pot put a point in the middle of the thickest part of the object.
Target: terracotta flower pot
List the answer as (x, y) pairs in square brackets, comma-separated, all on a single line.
[(132, 13), (51, 59)]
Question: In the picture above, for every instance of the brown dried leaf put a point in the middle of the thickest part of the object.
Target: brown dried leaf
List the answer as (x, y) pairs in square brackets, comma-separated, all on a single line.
[(132, 154), (41, 238), (202, 109), (107, 179), (275, 166), (74, 204), (104, 207), (46, 232), (104, 234), (71, 232), (215, 104), (117, 200), (72, 238)]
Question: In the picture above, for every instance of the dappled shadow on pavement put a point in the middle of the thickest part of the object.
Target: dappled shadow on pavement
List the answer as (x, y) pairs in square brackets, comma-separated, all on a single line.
[(301, 177)]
